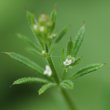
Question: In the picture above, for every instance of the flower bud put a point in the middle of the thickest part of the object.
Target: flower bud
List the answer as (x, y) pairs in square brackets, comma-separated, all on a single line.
[(43, 19), (43, 29), (52, 36), (49, 24), (44, 53), (36, 28)]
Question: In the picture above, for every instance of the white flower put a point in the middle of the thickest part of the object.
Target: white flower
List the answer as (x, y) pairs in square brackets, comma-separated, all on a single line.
[(42, 28), (35, 26), (52, 36), (43, 52), (47, 71), (69, 60)]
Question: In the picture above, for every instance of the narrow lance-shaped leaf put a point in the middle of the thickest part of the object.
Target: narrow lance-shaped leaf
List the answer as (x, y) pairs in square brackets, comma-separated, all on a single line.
[(77, 60), (25, 39), (29, 41), (33, 51), (67, 84), (25, 61), (31, 19), (46, 87), (62, 55), (78, 40), (61, 35), (53, 18), (29, 80), (87, 70), (53, 15), (69, 47)]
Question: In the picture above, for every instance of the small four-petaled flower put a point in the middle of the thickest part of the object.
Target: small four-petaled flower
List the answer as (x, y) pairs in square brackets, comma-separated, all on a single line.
[(48, 71), (69, 60)]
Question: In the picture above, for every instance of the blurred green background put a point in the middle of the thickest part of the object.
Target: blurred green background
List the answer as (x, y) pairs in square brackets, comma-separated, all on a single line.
[(91, 92)]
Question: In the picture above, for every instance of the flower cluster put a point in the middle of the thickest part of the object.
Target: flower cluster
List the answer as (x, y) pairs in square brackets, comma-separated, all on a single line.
[(43, 25)]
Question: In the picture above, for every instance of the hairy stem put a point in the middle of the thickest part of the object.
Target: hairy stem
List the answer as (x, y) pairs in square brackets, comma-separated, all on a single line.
[(68, 100)]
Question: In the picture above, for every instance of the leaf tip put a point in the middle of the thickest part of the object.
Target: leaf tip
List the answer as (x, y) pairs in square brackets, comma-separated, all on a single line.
[(83, 27), (15, 83), (6, 53), (40, 92), (102, 65)]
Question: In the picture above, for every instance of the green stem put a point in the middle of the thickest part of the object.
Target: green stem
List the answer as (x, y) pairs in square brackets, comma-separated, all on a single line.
[(68, 100), (53, 69), (64, 73), (65, 95)]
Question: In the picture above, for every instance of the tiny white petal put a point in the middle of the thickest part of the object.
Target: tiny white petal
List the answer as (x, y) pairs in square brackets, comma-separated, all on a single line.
[(54, 35), (47, 71), (35, 26), (42, 28), (69, 60), (43, 52)]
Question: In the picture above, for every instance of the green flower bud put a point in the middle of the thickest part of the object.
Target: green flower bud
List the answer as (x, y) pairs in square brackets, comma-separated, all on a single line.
[(49, 24), (36, 28), (52, 36), (46, 21), (40, 29), (43, 29), (43, 19)]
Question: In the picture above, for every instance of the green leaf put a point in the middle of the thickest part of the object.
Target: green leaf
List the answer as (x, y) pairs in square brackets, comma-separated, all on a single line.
[(53, 16), (86, 70), (62, 55), (78, 40), (67, 84), (31, 18), (25, 61), (77, 60), (34, 51), (29, 80), (32, 22), (46, 87), (28, 41), (61, 35), (69, 47)]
